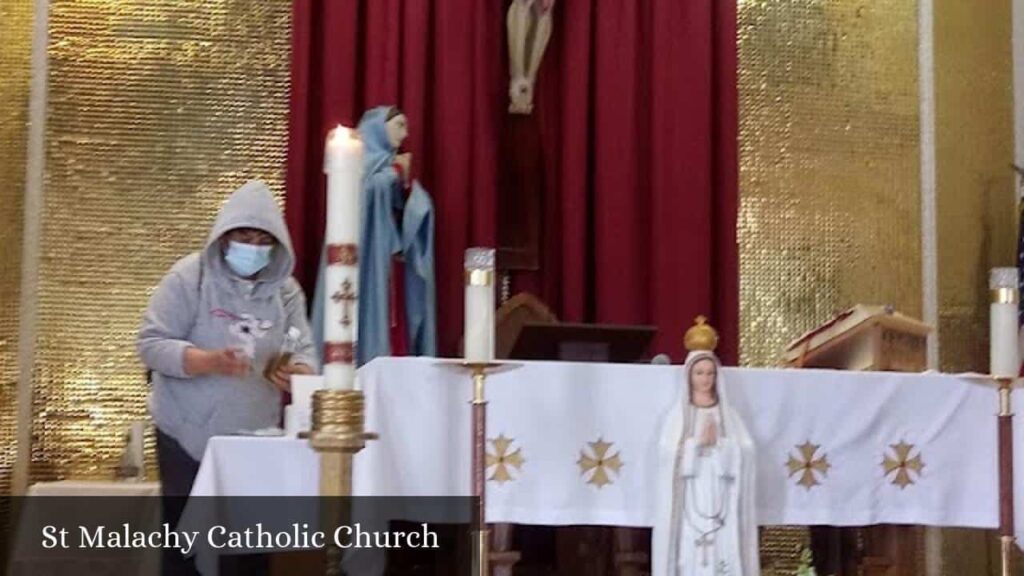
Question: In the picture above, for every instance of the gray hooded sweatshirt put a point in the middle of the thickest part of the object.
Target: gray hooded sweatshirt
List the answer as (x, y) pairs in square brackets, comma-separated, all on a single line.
[(202, 303)]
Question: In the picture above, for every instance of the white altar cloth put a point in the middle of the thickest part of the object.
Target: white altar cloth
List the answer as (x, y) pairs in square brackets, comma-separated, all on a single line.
[(552, 411)]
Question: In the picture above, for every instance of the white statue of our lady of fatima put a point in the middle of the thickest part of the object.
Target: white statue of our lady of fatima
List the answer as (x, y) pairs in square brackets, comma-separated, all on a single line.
[(705, 516)]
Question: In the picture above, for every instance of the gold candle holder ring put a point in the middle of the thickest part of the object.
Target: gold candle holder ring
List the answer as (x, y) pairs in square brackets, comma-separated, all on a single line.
[(338, 421)]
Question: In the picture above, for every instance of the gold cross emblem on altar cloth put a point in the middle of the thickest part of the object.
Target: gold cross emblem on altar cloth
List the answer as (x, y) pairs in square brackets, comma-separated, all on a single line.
[(807, 465), (346, 296), (902, 464), (502, 460), (599, 462)]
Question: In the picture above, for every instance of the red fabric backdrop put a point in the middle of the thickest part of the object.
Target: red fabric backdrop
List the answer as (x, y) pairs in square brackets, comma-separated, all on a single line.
[(636, 109)]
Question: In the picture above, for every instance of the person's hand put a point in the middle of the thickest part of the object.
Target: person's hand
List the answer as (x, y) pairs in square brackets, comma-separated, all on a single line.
[(710, 435), (405, 161), (282, 379), (229, 362), (222, 362)]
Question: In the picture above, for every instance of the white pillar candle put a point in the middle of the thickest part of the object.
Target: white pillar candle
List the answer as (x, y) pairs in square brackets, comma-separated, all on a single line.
[(1004, 351), (138, 446), (343, 164), (478, 336)]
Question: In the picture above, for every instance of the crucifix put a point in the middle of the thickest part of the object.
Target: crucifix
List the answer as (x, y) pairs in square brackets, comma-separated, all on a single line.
[(347, 296), (529, 29), (704, 542)]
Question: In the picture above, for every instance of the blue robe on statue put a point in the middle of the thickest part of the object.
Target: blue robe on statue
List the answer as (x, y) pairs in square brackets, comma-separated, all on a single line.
[(381, 238)]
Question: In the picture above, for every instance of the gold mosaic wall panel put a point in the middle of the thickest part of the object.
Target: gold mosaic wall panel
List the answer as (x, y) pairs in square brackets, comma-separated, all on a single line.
[(829, 165), (157, 110), (16, 20), (829, 175), (975, 194), (977, 219)]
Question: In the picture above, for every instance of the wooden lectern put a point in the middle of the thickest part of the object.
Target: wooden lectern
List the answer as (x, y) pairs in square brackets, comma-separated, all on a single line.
[(582, 342), (527, 330), (865, 338)]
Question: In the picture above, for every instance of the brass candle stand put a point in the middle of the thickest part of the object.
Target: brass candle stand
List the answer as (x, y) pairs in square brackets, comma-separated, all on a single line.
[(337, 435), (1004, 363), (479, 371)]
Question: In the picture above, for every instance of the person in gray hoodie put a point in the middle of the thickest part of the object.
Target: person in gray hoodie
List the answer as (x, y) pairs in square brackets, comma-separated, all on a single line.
[(214, 322)]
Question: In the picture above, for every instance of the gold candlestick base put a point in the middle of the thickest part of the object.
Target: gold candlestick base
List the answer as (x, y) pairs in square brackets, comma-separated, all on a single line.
[(337, 435), (1006, 545), (481, 553), (487, 366), (338, 420)]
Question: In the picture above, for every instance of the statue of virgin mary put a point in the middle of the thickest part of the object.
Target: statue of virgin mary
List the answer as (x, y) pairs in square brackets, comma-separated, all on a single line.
[(396, 315), (705, 521)]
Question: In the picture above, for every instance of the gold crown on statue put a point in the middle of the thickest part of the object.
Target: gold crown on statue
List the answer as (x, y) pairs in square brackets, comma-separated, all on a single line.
[(701, 336)]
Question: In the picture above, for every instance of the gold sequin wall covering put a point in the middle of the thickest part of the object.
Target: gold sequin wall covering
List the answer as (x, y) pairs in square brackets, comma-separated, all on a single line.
[(157, 110), (829, 176), (16, 20), (975, 200), (974, 138), (829, 165)]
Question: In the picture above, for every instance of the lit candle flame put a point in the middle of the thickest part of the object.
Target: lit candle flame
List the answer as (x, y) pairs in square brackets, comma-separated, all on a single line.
[(342, 133)]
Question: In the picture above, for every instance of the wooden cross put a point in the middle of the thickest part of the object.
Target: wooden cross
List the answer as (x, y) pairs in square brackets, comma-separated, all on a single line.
[(704, 542), (346, 296)]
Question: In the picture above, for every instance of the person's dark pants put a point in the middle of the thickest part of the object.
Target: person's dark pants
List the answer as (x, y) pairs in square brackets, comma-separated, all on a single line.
[(177, 474)]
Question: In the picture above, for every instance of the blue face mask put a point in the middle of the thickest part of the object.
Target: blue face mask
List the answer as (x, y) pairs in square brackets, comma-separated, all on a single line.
[(247, 259)]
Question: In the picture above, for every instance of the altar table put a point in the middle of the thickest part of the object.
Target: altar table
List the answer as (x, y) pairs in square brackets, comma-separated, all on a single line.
[(558, 417)]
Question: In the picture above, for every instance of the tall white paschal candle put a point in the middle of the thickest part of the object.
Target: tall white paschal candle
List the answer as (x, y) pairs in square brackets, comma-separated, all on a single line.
[(478, 337), (343, 164), (1004, 346)]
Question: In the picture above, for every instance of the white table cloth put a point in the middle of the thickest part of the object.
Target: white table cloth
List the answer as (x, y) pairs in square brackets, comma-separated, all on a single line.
[(553, 411)]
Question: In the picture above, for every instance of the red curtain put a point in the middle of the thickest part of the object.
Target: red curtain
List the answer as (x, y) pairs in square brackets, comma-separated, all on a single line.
[(636, 113)]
